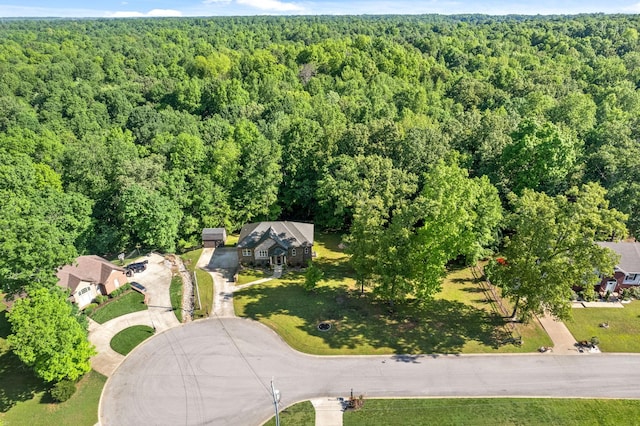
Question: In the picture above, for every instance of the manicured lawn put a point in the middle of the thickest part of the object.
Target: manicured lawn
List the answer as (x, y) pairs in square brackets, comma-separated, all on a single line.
[(301, 414), (128, 302), (232, 240), (24, 399), (248, 275), (205, 283), (190, 259), (175, 292), (124, 341), (623, 334), (498, 411), (458, 320)]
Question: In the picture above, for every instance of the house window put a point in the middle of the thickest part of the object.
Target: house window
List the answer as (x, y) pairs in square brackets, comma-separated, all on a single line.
[(263, 254), (83, 291), (116, 282), (293, 252), (306, 250), (246, 252), (631, 277)]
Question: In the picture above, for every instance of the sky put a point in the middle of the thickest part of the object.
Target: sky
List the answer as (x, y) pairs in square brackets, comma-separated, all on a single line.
[(160, 8)]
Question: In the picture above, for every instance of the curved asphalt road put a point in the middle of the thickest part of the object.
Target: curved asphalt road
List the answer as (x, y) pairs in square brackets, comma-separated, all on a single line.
[(218, 371)]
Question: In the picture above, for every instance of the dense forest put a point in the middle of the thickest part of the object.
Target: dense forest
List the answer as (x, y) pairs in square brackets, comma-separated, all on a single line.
[(117, 134)]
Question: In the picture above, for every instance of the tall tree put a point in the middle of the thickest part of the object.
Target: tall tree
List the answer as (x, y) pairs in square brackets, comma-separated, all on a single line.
[(49, 337), (553, 247)]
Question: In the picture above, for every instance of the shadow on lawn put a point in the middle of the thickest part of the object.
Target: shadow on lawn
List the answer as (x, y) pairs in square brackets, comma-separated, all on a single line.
[(17, 382), (438, 326)]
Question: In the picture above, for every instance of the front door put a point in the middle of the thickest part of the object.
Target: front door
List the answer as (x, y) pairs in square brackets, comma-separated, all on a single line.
[(611, 286)]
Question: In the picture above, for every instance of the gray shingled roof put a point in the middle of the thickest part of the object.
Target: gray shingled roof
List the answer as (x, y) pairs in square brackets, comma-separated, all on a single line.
[(629, 255), (287, 234), (214, 234)]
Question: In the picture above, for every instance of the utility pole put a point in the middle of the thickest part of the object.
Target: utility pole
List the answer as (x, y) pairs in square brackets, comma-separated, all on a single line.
[(276, 398)]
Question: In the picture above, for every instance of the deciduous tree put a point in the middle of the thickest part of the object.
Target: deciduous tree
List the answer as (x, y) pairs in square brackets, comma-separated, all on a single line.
[(553, 247), (49, 337)]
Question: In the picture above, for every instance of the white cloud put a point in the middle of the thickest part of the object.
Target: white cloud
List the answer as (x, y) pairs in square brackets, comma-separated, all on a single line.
[(275, 5), (634, 8), (164, 12), (152, 13)]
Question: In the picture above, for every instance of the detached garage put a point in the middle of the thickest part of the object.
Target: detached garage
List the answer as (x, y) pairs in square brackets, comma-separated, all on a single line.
[(213, 237)]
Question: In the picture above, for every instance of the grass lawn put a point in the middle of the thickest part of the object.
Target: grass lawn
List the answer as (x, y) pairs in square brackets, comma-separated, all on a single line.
[(205, 282), (458, 320), (622, 334), (300, 414), (175, 292), (80, 410), (495, 411), (125, 340), (24, 399), (232, 240), (128, 302), (248, 275)]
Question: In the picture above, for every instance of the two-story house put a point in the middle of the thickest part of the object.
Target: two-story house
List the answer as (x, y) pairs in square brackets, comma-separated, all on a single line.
[(276, 243)]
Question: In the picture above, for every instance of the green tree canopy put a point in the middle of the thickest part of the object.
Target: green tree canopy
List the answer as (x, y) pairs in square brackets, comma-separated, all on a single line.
[(49, 337), (553, 248)]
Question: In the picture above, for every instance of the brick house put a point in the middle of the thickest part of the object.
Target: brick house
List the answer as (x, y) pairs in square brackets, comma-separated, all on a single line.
[(627, 272), (276, 243), (90, 276)]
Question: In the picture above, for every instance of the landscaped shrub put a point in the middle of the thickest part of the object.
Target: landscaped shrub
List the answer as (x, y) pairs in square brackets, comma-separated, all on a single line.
[(100, 299), (635, 292), (63, 390), (117, 292), (90, 309), (589, 294)]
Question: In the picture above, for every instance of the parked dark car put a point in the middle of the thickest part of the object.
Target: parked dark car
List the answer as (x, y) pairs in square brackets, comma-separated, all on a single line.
[(134, 268), (138, 287)]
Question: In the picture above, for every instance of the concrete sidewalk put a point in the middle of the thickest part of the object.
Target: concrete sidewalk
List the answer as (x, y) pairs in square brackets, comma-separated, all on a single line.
[(328, 411), (563, 341)]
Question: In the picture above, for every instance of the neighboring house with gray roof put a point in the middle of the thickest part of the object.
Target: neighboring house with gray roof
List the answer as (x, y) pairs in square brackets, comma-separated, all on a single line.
[(627, 272), (276, 243), (90, 276)]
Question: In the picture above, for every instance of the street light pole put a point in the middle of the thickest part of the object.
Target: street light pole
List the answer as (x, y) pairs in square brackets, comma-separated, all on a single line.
[(276, 398)]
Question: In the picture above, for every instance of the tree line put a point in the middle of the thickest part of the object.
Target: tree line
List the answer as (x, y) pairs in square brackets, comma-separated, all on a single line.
[(419, 135)]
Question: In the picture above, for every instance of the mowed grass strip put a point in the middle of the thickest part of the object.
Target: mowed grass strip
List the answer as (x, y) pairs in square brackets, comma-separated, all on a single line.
[(494, 411), (623, 332), (125, 340), (205, 282), (175, 293), (460, 319), (301, 414), (128, 302)]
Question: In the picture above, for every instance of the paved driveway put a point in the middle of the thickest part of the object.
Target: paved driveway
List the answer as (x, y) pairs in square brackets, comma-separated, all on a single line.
[(217, 371), (157, 279)]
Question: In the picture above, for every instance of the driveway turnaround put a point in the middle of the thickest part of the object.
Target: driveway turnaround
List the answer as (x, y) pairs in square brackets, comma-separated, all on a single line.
[(157, 279), (218, 371)]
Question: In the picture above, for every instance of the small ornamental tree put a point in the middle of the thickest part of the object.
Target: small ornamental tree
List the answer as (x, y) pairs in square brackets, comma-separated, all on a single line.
[(312, 277), (48, 337)]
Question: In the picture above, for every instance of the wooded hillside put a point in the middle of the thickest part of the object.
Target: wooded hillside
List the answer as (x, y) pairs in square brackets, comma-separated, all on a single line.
[(123, 133)]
